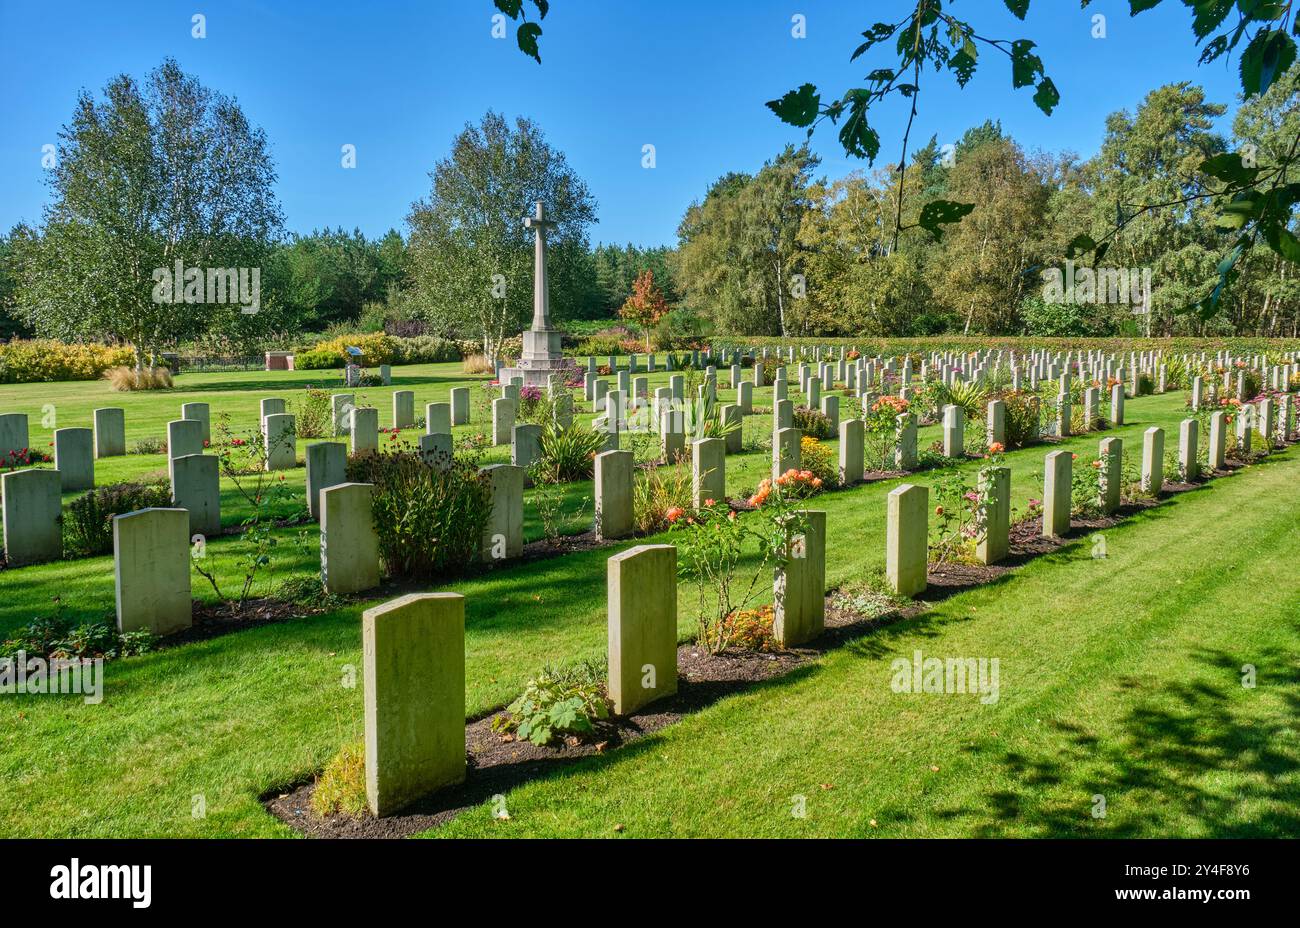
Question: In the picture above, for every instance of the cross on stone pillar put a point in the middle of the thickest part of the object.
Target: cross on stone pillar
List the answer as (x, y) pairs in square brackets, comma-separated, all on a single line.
[(541, 292)]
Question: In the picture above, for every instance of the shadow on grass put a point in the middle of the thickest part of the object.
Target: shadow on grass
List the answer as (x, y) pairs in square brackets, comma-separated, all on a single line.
[(1162, 762)]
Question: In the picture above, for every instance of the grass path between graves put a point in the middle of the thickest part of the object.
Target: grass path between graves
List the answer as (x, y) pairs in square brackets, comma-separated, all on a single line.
[(1119, 679), (1101, 645)]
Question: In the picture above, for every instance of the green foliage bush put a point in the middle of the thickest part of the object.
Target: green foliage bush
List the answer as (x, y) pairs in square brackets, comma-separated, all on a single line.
[(54, 636), (813, 422), (313, 414), (568, 454), (88, 521), (46, 360), (430, 521), (558, 702)]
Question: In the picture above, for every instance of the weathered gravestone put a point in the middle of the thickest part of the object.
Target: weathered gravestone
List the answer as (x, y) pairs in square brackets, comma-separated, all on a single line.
[(349, 544), (413, 667), (74, 458), (907, 539), (32, 507), (151, 567), (196, 488), (799, 583), (613, 492), (110, 432), (327, 466), (642, 604)]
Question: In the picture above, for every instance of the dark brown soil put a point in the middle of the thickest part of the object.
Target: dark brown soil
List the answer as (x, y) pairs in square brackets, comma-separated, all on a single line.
[(212, 620), (496, 763)]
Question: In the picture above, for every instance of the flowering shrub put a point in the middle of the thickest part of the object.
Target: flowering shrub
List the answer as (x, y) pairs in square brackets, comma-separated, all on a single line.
[(793, 484), (751, 629), (24, 457), (711, 546), (880, 424), (660, 497), (818, 460), (88, 521), (45, 360)]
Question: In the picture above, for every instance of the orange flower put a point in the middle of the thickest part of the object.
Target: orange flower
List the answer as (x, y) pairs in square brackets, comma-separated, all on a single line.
[(710, 502), (996, 448), (674, 513), (938, 510)]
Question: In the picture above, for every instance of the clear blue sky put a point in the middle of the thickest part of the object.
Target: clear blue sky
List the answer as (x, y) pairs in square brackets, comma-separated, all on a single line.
[(399, 79)]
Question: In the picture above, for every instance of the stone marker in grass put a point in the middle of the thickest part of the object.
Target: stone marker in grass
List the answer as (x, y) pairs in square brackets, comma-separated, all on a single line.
[(1112, 474), (1091, 408), (907, 539), (460, 405), (995, 429), (787, 451), (1117, 405), (954, 431), (799, 584), (503, 533), (1188, 446), (272, 406), (110, 432), (151, 569), (280, 437), (196, 488), (1218, 448), (413, 668), (708, 470), (184, 436), (31, 510), (13, 434), (74, 458), (1058, 484), (642, 596), (403, 409), (672, 435), (852, 469), (503, 420), (731, 415), (437, 419), (349, 544), (199, 412), (993, 539), (341, 413), (525, 444), (327, 466), (613, 494), (1153, 460), (436, 450), (365, 429), (905, 457)]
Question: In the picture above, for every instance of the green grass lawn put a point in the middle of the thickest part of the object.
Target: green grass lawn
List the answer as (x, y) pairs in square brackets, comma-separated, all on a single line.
[(1108, 667)]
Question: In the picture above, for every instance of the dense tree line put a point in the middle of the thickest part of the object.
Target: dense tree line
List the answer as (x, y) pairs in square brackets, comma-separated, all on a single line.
[(780, 253)]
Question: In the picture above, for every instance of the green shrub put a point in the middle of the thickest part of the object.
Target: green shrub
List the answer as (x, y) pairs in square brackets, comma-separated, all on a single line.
[(426, 349), (430, 521), (313, 414), (568, 454), (558, 702), (54, 636), (813, 422), (45, 360), (88, 521)]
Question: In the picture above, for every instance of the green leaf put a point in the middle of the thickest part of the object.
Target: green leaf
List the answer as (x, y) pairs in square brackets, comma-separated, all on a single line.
[(1026, 67), (1047, 96), (1270, 53), (798, 107), (543, 7), (1141, 6), (1229, 168), (510, 7), (877, 33), (939, 213), (962, 66), (1018, 8), (1287, 245), (1080, 244), (1209, 16), (527, 38), (857, 137)]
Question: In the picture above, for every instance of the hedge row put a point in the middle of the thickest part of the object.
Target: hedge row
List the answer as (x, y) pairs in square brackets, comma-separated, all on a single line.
[(45, 360)]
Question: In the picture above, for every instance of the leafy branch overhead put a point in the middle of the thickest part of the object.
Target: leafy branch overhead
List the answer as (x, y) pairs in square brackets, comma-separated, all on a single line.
[(1257, 201), (528, 32)]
